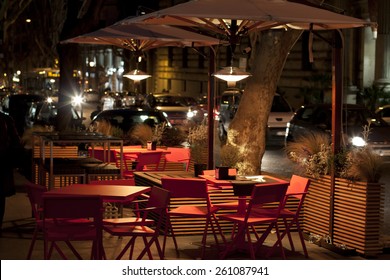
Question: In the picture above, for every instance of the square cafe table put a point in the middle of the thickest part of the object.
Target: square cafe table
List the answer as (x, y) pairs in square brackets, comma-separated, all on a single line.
[(107, 192)]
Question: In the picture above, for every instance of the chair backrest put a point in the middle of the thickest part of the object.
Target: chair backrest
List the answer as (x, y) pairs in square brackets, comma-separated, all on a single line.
[(186, 187), (158, 198), (120, 182), (148, 158), (73, 207), (178, 154), (298, 189), (298, 186), (264, 194), (103, 155), (35, 195)]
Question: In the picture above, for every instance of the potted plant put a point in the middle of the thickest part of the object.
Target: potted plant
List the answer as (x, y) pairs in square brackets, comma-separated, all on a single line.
[(229, 157), (197, 139)]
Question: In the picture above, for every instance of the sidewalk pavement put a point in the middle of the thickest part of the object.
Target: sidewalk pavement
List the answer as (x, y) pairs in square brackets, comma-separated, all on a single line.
[(18, 227)]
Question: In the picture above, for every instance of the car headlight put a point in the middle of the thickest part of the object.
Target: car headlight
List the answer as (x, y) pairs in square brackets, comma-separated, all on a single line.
[(358, 141), (191, 114)]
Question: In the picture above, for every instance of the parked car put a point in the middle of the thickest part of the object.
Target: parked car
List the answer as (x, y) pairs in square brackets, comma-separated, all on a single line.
[(45, 113), (280, 114), (179, 109), (313, 118), (384, 113), (127, 118)]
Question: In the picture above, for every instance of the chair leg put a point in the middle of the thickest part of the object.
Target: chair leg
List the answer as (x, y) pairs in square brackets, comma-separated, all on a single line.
[(287, 231), (131, 241), (73, 250), (168, 227), (148, 245), (280, 241), (229, 247), (251, 250), (34, 238), (302, 239)]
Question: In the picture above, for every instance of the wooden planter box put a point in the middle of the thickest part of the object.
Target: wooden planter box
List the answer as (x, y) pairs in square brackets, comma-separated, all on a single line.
[(358, 213)]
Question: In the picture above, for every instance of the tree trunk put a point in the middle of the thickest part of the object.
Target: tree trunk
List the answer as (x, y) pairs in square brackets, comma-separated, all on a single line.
[(80, 19), (249, 126)]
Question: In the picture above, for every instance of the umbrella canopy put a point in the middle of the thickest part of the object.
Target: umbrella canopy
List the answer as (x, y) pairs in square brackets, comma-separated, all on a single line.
[(250, 14), (141, 37)]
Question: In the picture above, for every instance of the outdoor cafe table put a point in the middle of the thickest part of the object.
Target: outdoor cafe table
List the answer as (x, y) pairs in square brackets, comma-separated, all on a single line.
[(55, 138), (223, 193), (244, 182), (107, 192)]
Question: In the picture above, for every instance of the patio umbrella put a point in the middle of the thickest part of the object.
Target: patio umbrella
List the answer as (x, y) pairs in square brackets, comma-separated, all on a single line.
[(250, 14), (141, 37), (233, 18)]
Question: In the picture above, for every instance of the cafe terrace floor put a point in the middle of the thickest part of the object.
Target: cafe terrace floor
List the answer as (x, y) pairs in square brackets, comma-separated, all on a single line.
[(18, 227)]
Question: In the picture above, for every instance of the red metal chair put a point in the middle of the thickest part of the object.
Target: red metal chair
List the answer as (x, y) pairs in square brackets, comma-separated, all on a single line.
[(297, 190), (58, 209), (194, 189), (35, 193), (254, 215), (143, 159), (153, 214)]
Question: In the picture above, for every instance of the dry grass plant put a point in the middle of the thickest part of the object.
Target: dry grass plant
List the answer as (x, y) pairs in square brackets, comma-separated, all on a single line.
[(363, 164), (312, 152), (229, 155), (143, 133), (198, 138)]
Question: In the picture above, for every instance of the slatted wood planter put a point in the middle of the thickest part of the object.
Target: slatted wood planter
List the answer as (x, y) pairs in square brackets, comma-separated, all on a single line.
[(358, 213)]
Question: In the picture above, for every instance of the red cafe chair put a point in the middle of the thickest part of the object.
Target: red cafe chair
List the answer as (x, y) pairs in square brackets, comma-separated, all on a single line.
[(143, 159), (192, 188), (297, 191), (253, 216), (58, 210), (148, 225)]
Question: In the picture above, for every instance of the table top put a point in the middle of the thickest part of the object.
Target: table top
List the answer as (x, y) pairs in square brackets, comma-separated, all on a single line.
[(107, 192), (136, 151), (154, 177), (256, 179)]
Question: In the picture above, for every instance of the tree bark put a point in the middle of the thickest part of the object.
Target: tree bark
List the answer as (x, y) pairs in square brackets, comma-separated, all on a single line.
[(248, 129)]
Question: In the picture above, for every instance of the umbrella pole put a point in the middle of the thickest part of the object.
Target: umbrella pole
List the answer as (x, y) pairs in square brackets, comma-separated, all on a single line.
[(337, 101), (210, 108)]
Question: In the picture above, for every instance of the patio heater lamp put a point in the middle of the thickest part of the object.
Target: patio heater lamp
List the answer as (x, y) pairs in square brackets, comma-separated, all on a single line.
[(137, 75), (231, 75)]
